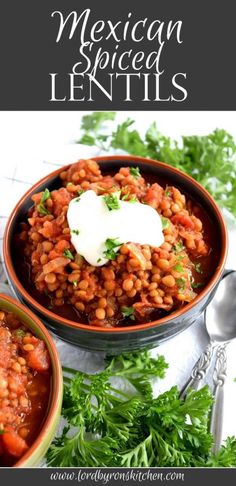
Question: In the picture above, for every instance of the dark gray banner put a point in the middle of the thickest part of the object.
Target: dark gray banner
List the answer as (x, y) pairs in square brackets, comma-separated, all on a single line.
[(90, 55), (118, 477)]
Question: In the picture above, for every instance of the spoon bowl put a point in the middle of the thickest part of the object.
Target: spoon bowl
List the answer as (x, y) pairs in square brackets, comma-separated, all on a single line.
[(220, 315)]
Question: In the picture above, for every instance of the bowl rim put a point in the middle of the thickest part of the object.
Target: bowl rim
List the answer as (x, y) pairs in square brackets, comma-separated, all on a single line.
[(56, 381), (132, 328)]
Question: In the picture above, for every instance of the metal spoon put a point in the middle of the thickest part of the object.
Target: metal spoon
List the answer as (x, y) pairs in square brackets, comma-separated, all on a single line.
[(220, 321)]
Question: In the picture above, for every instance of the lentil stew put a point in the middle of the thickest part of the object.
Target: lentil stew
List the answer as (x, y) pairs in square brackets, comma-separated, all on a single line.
[(25, 375), (141, 283)]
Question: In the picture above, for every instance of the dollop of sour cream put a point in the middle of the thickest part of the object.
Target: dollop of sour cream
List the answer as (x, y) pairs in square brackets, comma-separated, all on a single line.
[(92, 223)]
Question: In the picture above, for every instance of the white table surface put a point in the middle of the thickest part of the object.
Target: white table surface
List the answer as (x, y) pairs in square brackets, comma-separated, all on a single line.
[(32, 144)]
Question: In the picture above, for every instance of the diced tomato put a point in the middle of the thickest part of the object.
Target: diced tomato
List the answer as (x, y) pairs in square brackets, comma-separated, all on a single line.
[(50, 229), (183, 220), (154, 195), (13, 443), (38, 359), (62, 245), (60, 198)]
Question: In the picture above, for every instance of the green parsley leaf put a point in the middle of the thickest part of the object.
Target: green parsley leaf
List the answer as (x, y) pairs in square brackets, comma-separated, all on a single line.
[(112, 201), (181, 282), (197, 285), (19, 333), (42, 210), (135, 172), (111, 245), (178, 247), (75, 231), (198, 267), (165, 223), (80, 192), (41, 207), (67, 253), (99, 260), (178, 267), (128, 312), (167, 192), (125, 197), (46, 195)]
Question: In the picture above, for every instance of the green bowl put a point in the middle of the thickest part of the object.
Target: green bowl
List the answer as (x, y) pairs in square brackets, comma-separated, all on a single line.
[(40, 446)]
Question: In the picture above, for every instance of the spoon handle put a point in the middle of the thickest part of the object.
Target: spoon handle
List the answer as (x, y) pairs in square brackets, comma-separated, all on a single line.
[(219, 376), (199, 370)]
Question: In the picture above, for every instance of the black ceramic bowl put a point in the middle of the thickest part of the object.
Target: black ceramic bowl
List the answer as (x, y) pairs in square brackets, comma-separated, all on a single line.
[(119, 339)]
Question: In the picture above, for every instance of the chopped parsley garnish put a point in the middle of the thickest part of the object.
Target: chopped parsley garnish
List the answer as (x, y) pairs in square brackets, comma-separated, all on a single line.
[(167, 192), (41, 207), (108, 425), (67, 253), (133, 199), (46, 195), (19, 333), (198, 267), (75, 283), (99, 260), (128, 312), (75, 231), (111, 244), (42, 210), (112, 201), (135, 172), (178, 247), (80, 192), (178, 267), (165, 223), (197, 285), (181, 282)]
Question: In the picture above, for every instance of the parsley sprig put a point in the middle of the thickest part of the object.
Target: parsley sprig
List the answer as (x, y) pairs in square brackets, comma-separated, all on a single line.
[(112, 245), (135, 172), (67, 253), (41, 207), (210, 159), (128, 312), (109, 427), (112, 201)]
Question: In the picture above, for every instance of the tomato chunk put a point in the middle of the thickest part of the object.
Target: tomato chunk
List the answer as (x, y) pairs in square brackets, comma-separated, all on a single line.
[(183, 220), (38, 359), (13, 443)]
